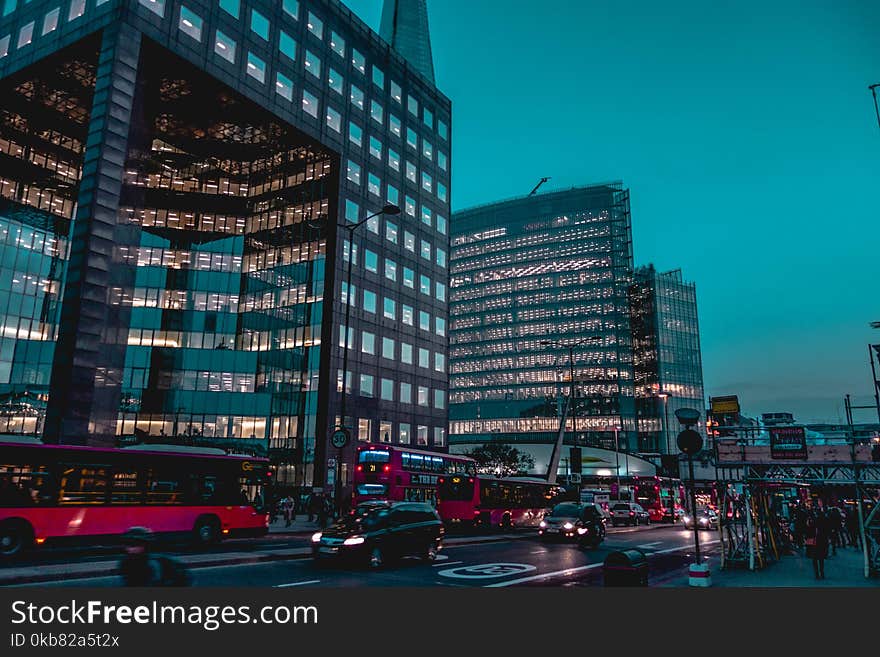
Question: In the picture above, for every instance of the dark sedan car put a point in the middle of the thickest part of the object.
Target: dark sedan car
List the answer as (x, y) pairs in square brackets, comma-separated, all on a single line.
[(381, 535), (570, 520)]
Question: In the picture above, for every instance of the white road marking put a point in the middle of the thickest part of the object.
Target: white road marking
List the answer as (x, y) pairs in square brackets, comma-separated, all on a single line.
[(538, 552), (648, 546), (311, 581), (440, 557), (487, 570), (443, 565)]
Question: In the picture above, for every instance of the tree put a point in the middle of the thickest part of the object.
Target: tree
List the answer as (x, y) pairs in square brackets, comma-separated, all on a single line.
[(499, 458)]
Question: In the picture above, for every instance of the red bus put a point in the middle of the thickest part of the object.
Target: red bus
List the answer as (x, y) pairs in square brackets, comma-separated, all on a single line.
[(661, 497), (53, 493), (495, 501), (401, 474)]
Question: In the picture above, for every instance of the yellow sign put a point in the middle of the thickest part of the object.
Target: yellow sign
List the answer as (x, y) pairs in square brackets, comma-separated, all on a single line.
[(247, 466), (722, 405)]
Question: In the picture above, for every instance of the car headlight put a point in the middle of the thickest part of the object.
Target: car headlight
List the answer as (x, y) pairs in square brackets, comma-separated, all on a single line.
[(316, 537), (704, 521), (685, 519), (542, 524), (568, 525), (354, 540), (583, 530)]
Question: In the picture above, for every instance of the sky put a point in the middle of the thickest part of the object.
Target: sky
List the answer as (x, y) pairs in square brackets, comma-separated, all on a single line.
[(747, 136)]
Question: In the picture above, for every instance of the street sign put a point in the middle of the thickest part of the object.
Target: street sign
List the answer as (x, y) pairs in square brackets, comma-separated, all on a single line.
[(690, 442), (722, 405), (788, 443), (339, 439), (331, 463)]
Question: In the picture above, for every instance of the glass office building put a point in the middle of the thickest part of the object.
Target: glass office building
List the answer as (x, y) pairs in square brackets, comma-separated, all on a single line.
[(172, 174), (667, 357), (529, 277)]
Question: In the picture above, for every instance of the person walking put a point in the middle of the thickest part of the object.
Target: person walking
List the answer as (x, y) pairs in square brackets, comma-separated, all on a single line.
[(835, 529), (140, 566), (816, 539), (852, 529), (289, 511)]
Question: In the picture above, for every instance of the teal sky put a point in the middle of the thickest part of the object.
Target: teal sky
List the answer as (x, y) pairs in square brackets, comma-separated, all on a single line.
[(747, 136)]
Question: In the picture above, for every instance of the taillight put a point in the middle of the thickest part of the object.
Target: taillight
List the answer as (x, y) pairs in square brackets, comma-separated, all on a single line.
[(470, 480), (360, 468), (387, 468), (441, 480), (632, 513)]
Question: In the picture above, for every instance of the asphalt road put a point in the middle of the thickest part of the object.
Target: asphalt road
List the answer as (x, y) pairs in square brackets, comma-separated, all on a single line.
[(520, 560)]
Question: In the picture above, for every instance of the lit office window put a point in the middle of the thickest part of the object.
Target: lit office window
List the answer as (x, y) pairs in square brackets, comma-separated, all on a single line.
[(412, 105), (353, 172), (284, 86), (4, 46), (375, 148), (385, 429), (78, 8), (439, 291), (410, 206), (316, 26), (393, 159), (259, 24), (396, 92), (426, 215), (357, 97), (374, 185), (225, 47), (388, 348), (392, 195), (425, 249), (365, 426), (376, 112), (424, 321), (334, 119), (313, 64), (390, 269), (337, 44), (439, 437), (355, 133), (371, 261), (427, 181), (406, 353), (391, 231), (373, 225), (406, 314), (394, 125), (256, 67), (291, 8), (424, 285), (411, 171), (50, 22), (231, 7), (310, 104), (287, 45), (423, 401), (334, 81), (422, 432), (412, 139), (358, 61), (368, 343), (344, 296), (409, 278), (389, 310), (26, 34), (387, 393), (156, 6), (190, 23), (427, 150)]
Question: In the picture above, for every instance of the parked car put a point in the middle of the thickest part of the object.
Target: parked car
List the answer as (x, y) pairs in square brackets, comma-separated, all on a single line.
[(382, 535), (573, 520), (628, 513), (706, 519)]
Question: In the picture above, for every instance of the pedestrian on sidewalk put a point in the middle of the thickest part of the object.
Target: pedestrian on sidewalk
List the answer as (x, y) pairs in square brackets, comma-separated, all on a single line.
[(852, 529), (835, 529), (816, 539)]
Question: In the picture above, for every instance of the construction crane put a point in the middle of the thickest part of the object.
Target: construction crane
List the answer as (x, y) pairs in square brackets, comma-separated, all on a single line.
[(543, 180)]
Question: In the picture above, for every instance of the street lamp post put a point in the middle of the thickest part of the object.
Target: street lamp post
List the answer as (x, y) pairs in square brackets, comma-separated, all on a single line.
[(690, 443), (341, 434)]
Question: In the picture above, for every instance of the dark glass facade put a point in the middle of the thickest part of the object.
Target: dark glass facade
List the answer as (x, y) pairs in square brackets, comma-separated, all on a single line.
[(667, 357), (176, 172), (405, 27), (550, 267)]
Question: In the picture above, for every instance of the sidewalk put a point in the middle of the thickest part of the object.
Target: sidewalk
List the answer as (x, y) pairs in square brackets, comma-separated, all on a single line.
[(845, 569), (299, 526)]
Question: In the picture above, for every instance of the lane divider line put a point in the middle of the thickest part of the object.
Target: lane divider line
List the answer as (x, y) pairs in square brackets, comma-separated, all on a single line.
[(446, 563), (284, 586)]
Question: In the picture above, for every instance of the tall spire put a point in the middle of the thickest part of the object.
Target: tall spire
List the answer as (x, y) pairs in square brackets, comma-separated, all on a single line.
[(405, 27)]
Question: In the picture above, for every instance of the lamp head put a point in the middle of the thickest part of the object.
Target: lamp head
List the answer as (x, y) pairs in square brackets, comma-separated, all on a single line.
[(391, 209), (687, 416)]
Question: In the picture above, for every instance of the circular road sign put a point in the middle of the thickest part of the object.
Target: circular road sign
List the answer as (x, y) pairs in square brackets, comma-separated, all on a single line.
[(690, 442), (339, 439)]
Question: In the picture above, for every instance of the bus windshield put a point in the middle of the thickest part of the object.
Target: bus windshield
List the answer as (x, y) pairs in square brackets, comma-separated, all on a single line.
[(374, 456)]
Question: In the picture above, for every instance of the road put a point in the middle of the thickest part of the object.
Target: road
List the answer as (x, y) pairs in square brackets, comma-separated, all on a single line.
[(517, 560)]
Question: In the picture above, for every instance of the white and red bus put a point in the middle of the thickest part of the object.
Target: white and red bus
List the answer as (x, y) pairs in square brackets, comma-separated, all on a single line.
[(55, 493), (401, 474), (495, 501)]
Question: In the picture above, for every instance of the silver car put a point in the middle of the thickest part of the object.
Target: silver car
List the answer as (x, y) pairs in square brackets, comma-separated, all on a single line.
[(628, 513)]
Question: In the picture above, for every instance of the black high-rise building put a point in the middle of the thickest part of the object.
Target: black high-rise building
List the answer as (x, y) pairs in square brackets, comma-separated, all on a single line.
[(172, 173)]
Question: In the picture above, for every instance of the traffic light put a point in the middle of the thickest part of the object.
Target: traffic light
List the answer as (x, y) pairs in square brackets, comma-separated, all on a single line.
[(574, 460)]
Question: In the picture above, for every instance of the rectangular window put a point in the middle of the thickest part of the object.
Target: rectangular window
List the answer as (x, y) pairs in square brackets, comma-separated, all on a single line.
[(368, 343), (26, 34), (388, 348), (441, 192), (441, 224), (366, 387), (371, 261), (409, 277), (78, 8), (190, 24), (442, 130), (378, 78), (287, 45), (440, 326), (441, 160), (334, 81), (342, 337), (390, 308), (426, 250), (376, 112), (357, 97), (156, 6), (439, 399), (385, 431), (392, 195), (4, 46), (409, 241), (374, 185), (370, 301), (422, 435), (344, 296), (313, 64), (410, 171), (427, 150), (390, 269), (427, 182), (345, 247), (393, 159), (355, 133), (231, 7), (353, 172), (410, 206), (225, 47), (424, 321), (291, 8), (439, 362), (310, 104), (424, 358), (394, 125), (50, 22), (439, 291), (396, 92), (424, 284), (358, 61), (426, 215), (334, 119), (412, 139), (391, 231), (423, 401), (387, 392), (337, 44), (439, 437), (365, 429), (316, 26), (412, 105), (405, 398), (406, 353), (373, 225), (375, 148), (284, 86), (259, 25), (440, 257), (406, 314), (428, 118), (352, 211), (256, 67)]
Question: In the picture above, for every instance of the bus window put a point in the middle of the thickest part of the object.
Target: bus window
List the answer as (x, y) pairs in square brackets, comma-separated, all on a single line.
[(124, 487), (374, 456), (25, 485), (163, 487), (82, 484), (372, 489), (457, 488)]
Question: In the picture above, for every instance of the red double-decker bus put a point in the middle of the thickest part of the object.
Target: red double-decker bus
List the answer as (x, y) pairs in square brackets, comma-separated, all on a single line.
[(661, 497), (52, 493), (390, 472), (489, 501)]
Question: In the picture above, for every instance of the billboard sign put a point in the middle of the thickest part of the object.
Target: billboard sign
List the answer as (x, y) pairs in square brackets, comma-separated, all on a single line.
[(788, 443), (724, 405)]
